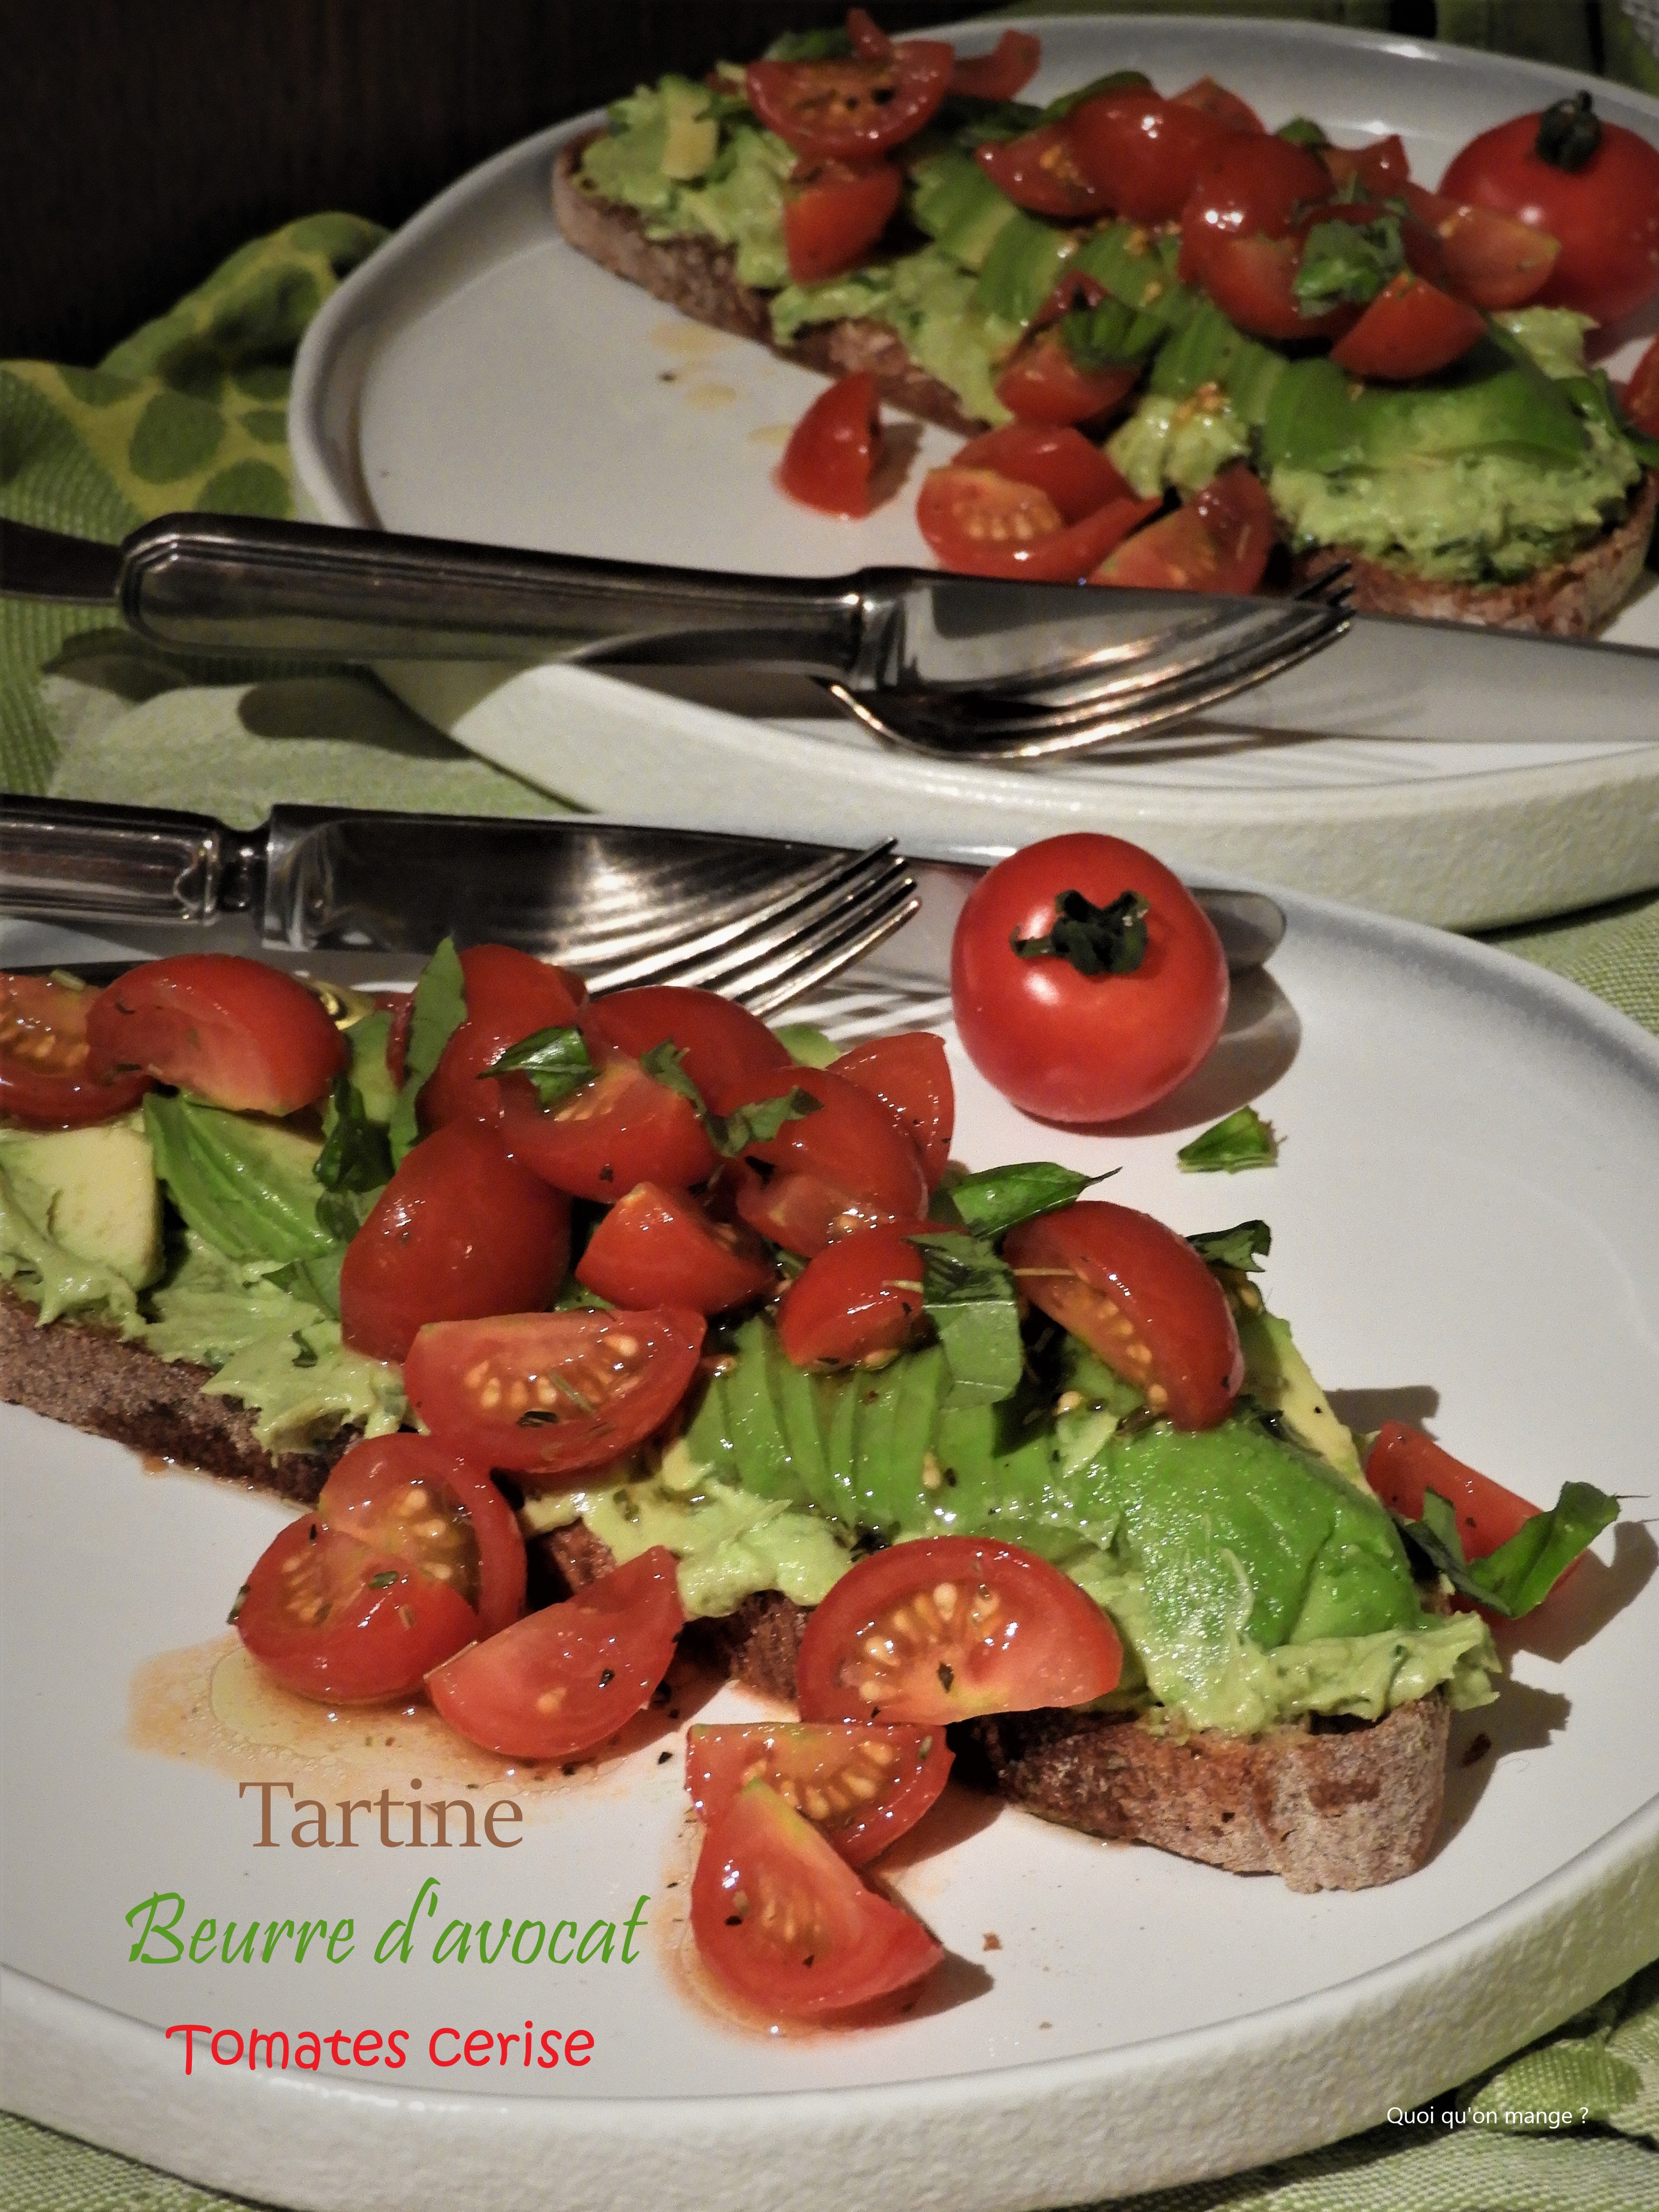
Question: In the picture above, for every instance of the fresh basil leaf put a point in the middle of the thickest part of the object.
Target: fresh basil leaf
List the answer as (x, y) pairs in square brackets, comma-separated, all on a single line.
[(1522, 1573), (731, 1134), (1302, 131), (967, 1293), (1347, 261), (666, 1064), (317, 1278), (1111, 335), (440, 1008), (973, 121), (1118, 80), (1239, 1247), (996, 1199), (1097, 940), (356, 1154), (823, 45), (556, 1061), (1242, 1140)]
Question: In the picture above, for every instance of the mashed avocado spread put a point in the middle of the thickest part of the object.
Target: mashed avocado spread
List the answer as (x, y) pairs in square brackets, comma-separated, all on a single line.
[(1502, 466)]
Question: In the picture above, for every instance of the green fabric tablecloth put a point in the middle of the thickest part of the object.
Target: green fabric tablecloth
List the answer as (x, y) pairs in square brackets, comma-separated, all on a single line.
[(189, 413)]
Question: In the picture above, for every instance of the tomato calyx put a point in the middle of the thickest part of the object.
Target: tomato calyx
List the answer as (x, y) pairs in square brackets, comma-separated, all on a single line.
[(1096, 940), (1569, 133)]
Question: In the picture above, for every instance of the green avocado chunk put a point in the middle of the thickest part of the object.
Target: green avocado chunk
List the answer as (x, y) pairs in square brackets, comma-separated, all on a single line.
[(953, 200)]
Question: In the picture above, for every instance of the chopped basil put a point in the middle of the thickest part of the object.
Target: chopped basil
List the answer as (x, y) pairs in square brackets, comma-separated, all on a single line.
[(1520, 1574), (386, 1581), (556, 1061), (356, 1154), (1242, 1140), (967, 1293), (1097, 940), (729, 1134), (996, 1199), (1347, 261), (973, 121), (1239, 1247), (1302, 131), (824, 45), (440, 1008)]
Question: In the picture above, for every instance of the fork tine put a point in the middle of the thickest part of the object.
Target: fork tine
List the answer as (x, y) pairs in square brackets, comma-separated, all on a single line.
[(1332, 586), (754, 961), (809, 968)]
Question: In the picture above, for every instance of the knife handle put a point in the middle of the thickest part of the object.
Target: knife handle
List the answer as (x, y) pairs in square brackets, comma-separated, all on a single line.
[(223, 583), (63, 857)]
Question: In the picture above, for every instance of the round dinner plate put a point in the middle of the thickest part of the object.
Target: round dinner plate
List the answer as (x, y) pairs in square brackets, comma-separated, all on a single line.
[(1466, 1233), (479, 379)]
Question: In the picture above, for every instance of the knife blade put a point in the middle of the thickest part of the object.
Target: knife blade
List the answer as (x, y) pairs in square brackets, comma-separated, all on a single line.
[(596, 894)]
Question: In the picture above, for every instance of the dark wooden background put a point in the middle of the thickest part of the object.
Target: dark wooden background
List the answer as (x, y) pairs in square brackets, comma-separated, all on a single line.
[(142, 140)]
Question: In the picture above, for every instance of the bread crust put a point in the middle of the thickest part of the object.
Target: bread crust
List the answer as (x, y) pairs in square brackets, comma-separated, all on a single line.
[(1325, 1805), (699, 276), (72, 1371), (1571, 599)]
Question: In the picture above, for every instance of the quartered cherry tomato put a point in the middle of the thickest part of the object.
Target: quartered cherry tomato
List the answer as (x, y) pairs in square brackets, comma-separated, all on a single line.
[(1054, 458), (1140, 1297), (832, 449), (1214, 100), (331, 1617), (1382, 165), (1218, 541), (980, 524), (1041, 383), (851, 109), (1403, 1464), (509, 996), (911, 1076), (1005, 72), (1041, 172), (1602, 204), (1143, 152), (947, 1627), (1252, 281), (232, 1031), (1641, 392), (621, 1129), (846, 1166), (564, 1679), (726, 1047), (658, 1247), (433, 1510), (545, 1395), (1249, 187), (1074, 1046), (1488, 259), (460, 1230), (862, 1787), (47, 1078), (860, 1296), (1410, 329), (785, 1922), (836, 214)]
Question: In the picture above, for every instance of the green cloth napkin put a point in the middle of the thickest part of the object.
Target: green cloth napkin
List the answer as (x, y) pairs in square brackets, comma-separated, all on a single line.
[(1607, 2060)]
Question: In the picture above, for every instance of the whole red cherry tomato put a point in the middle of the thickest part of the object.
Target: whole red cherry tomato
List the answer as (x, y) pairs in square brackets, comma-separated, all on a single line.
[(1592, 184), (1070, 1045)]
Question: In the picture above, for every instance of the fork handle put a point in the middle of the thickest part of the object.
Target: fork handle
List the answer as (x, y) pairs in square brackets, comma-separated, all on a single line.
[(67, 857), (218, 583)]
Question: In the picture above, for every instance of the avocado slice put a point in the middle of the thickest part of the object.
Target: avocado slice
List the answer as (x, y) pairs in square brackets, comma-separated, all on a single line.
[(1021, 268), (1317, 418), (960, 208), (102, 1200)]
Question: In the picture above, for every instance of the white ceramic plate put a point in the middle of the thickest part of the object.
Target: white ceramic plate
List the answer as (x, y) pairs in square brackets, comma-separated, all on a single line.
[(478, 379), (1466, 1222)]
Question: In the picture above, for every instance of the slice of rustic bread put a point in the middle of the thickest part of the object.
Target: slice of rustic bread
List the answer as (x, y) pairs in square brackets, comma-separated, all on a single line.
[(1329, 1805)]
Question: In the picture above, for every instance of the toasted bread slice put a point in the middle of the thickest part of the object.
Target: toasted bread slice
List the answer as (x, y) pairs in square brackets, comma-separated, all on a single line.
[(697, 276), (1571, 598), (1330, 1805)]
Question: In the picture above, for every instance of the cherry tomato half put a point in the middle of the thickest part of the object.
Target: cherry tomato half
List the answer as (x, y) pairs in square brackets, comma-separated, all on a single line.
[(862, 1787), (621, 1129), (836, 215), (1052, 457), (1410, 329), (1144, 152), (851, 1147), (1604, 213), (1487, 259), (460, 1230), (833, 448), (1214, 100), (1041, 383), (727, 1048), (1218, 541), (1382, 165), (509, 996), (46, 1075), (911, 1076), (1139, 1296), (851, 109), (329, 1617), (1076, 1047), (1005, 72), (785, 1922), (659, 1248), (232, 1031), (860, 1296), (549, 1394), (1040, 173), (424, 1504), (979, 524), (947, 1627), (564, 1679), (1403, 1463), (1249, 187), (1252, 281)]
